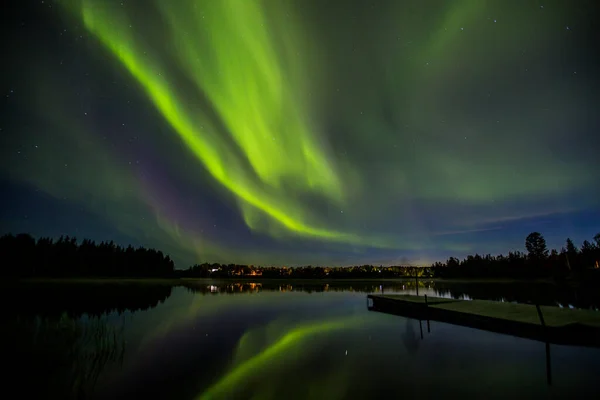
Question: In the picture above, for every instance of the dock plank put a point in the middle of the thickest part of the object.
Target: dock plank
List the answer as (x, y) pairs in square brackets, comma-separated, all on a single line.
[(418, 299), (553, 316)]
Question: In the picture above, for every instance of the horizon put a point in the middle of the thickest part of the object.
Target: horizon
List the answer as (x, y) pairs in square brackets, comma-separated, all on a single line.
[(594, 242)]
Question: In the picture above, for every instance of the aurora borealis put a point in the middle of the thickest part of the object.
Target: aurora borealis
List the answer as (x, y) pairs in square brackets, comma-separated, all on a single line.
[(302, 131)]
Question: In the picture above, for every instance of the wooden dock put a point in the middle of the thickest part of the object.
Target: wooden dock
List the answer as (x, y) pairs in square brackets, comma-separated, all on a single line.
[(543, 323)]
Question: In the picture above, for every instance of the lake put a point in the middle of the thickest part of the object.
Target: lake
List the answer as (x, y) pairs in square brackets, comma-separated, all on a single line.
[(223, 340)]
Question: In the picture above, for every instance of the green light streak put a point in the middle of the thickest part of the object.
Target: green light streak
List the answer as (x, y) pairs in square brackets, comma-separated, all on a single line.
[(397, 117), (241, 74)]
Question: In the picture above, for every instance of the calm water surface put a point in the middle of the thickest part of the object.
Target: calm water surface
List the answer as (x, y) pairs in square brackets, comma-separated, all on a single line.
[(276, 342)]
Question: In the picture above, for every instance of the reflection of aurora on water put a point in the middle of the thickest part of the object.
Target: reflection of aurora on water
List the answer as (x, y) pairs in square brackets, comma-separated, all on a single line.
[(293, 341), (295, 345), (287, 349)]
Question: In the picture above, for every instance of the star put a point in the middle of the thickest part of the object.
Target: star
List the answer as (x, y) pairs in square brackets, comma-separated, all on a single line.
[(238, 117)]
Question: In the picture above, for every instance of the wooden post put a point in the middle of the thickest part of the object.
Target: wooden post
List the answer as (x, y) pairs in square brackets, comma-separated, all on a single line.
[(539, 311), (548, 365), (417, 281), (421, 329), (427, 306), (548, 361)]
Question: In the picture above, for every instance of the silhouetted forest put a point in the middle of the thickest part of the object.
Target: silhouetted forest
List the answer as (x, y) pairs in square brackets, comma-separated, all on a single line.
[(538, 262), (216, 270), (66, 257), (570, 262)]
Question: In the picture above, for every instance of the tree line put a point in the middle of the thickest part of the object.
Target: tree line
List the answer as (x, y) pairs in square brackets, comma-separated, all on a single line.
[(216, 270), (570, 262), (66, 257)]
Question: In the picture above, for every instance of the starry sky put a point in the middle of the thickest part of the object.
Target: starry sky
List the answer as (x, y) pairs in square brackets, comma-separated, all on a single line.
[(296, 132)]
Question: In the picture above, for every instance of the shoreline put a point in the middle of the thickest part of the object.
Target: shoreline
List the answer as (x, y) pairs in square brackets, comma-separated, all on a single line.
[(316, 281)]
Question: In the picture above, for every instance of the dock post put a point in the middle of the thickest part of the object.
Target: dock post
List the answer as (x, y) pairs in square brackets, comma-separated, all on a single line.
[(539, 310), (427, 306), (548, 361), (421, 329), (417, 281), (548, 365)]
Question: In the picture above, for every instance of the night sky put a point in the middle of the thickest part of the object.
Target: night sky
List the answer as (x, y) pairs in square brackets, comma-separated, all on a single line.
[(308, 131)]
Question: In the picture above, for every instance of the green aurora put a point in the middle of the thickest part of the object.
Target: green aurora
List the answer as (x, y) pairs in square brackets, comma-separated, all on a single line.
[(329, 133)]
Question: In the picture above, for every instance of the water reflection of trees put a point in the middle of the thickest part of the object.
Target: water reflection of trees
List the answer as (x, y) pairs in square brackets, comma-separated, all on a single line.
[(256, 287), (62, 335), (61, 357), (540, 293), (77, 299)]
